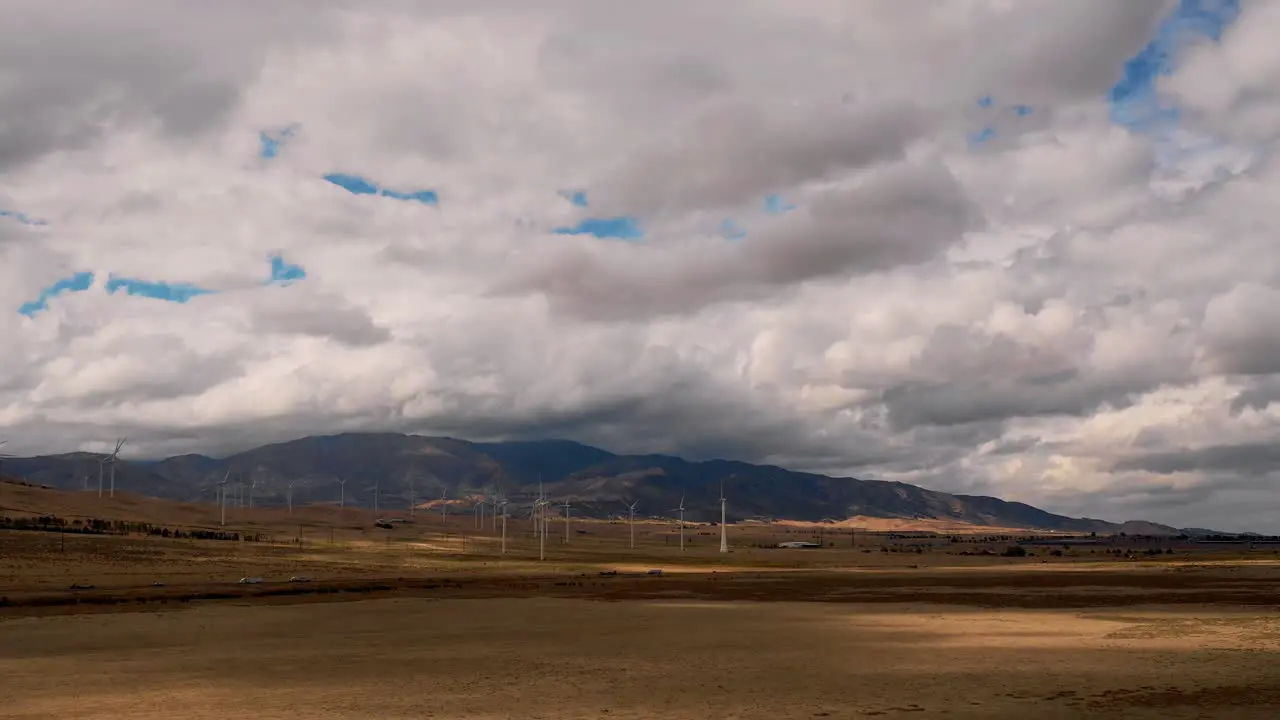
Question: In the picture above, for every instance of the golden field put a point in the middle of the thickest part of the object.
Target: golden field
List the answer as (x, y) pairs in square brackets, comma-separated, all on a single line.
[(419, 622)]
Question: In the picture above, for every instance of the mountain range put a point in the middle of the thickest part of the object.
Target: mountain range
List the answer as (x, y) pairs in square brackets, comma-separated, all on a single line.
[(389, 470)]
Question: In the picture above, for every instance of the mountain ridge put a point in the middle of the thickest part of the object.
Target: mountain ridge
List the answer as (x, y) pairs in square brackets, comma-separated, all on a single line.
[(386, 469)]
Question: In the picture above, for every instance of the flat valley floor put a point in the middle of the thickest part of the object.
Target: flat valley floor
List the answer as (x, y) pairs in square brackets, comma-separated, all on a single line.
[(561, 658), (430, 622)]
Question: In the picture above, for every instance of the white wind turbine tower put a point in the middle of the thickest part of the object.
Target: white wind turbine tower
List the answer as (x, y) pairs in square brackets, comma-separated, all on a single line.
[(289, 497), (222, 496), (566, 520), (115, 456), (681, 509), (503, 507), (541, 509), (102, 461), (631, 521), (533, 511), (724, 539), (3, 457), (377, 494), (342, 492), (444, 508), (543, 518)]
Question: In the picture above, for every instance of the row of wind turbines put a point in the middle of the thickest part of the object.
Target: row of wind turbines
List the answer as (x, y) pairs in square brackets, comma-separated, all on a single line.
[(538, 512), (104, 462)]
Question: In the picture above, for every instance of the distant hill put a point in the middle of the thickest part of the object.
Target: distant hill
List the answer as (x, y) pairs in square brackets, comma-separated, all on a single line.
[(388, 469)]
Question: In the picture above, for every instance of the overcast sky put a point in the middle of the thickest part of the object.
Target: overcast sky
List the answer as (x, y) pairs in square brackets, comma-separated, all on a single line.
[(1024, 248)]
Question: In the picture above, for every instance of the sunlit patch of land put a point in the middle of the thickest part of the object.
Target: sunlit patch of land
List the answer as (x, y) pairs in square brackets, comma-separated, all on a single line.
[(436, 621)]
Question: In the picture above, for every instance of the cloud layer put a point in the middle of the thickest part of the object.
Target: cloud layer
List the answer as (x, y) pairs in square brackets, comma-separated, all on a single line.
[(870, 241)]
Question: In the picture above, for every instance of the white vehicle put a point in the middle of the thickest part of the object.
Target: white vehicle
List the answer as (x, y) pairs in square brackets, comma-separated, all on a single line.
[(299, 578), (250, 580)]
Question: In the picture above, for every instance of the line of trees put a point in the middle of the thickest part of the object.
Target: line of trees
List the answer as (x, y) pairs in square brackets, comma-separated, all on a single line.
[(96, 526)]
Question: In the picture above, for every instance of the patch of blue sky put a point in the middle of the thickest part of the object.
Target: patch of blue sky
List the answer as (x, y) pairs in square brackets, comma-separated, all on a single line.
[(22, 217), (777, 205), (617, 228), (577, 197), (271, 141), (284, 273), (358, 185), (1134, 99), (426, 197), (990, 132), (731, 230), (169, 292), (78, 282), (986, 134)]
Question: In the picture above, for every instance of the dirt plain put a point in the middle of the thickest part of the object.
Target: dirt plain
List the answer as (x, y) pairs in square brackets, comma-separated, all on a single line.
[(419, 622)]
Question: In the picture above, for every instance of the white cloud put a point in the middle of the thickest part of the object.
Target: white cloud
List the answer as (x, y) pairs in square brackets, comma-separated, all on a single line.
[(1011, 318)]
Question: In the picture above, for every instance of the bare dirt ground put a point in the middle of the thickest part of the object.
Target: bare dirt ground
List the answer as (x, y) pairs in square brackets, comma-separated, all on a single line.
[(559, 659), (419, 622)]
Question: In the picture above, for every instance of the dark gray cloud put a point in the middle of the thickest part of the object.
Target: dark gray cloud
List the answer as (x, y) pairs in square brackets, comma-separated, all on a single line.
[(731, 155), (78, 71), (316, 315), (995, 377), (904, 214), (1256, 393), (1240, 330), (1253, 459)]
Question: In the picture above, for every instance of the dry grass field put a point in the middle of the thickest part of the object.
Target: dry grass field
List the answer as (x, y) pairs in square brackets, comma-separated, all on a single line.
[(432, 620)]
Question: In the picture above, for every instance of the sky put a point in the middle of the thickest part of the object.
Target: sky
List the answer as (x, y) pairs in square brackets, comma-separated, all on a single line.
[(1018, 249)]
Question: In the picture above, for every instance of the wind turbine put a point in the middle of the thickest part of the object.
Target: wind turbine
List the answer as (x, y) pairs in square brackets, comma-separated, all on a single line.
[(3, 457), (377, 494), (444, 508), (631, 521), (102, 461), (503, 506), (566, 520), (222, 495), (681, 509), (342, 492), (724, 538), (115, 456), (541, 509), (542, 518), (289, 495)]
